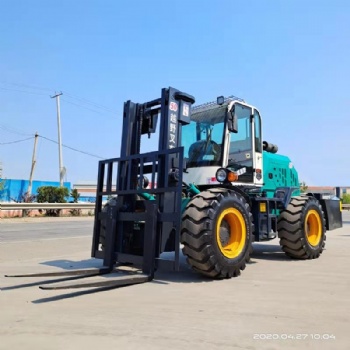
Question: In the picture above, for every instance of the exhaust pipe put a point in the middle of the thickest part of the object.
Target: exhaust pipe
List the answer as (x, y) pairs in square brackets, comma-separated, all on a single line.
[(270, 147)]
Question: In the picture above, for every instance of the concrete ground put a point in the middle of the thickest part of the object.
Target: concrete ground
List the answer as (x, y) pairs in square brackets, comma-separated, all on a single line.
[(276, 303)]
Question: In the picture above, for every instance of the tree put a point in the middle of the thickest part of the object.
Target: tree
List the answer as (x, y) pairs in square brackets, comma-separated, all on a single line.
[(75, 195), (25, 198), (303, 187), (2, 187), (2, 184), (346, 198), (51, 194)]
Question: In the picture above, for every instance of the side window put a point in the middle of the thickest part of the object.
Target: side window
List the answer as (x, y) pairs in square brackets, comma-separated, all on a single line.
[(242, 141), (257, 131), (241, 145)]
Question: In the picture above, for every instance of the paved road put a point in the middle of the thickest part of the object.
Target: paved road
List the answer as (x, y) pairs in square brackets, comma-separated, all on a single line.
[(20, 230), (274, 297)]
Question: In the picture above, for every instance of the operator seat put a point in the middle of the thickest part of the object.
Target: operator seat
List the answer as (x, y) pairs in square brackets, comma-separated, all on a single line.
[(204, 151)]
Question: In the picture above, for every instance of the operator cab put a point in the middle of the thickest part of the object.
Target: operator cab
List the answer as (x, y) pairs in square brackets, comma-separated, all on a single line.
[(223, 135), (203, 138)]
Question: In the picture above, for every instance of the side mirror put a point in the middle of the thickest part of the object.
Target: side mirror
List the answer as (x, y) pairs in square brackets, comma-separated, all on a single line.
[(232, 121)]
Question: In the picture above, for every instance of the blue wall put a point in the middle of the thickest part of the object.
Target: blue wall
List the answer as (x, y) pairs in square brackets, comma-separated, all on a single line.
[(15, 189)]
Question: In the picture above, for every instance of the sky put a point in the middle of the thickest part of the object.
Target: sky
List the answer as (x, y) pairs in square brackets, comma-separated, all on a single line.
[(289, 58)]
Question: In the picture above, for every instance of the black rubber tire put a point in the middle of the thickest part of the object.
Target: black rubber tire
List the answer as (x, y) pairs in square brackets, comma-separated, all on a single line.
[(198, 233), (292, 229)]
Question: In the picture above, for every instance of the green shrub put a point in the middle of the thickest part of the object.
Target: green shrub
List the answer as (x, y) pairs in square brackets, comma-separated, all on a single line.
[(303, 187), (51, 194), (346, 198)]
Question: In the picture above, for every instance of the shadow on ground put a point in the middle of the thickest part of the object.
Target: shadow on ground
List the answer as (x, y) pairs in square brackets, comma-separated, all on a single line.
[(185, 275), (265, 251), (65, 266)]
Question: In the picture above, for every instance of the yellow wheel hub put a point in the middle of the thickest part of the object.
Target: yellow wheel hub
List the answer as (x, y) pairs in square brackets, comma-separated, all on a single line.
[(313, 227), (231, 233)]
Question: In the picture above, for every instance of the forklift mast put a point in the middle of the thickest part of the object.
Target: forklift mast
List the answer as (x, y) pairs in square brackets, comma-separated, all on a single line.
[(138, 231)]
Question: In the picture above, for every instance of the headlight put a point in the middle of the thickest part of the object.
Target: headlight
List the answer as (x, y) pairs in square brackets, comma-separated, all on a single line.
[(221, 175)]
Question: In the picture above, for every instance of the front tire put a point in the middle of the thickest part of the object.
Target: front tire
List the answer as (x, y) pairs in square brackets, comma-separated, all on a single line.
[(302, 229), (217, 233)]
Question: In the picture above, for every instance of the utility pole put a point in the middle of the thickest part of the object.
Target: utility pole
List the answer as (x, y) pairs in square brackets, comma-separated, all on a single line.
[(33, 165), (61, 169)]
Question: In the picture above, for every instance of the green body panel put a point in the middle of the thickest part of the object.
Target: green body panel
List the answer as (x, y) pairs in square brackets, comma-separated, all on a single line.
[(184, 203), (191, 188), (278, 172), (147, 196)]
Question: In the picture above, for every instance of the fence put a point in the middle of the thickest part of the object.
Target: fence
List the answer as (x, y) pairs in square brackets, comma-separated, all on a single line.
[(43, 206), (33, 209)]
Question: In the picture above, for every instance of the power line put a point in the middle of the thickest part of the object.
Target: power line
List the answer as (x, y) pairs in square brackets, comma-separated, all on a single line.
[(11, 130), (82, 106), (72, 148), (17, 141), (27, 92), (14, 131), (26, 86), (89, 102)]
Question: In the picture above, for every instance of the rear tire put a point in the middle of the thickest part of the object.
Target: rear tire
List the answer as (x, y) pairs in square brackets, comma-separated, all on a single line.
[(217, 233), (302, 229)]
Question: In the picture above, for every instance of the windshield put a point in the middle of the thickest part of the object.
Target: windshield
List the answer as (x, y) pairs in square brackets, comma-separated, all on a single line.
[(202, 139)]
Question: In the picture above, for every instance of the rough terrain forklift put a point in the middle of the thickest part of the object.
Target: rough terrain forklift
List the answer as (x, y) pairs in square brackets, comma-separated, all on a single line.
[(212, 187)]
